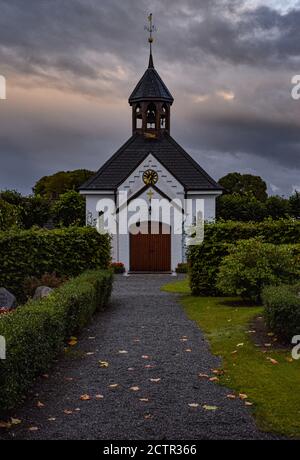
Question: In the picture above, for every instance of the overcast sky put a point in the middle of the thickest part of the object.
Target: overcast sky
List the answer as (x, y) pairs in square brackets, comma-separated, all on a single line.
[(71, 65)]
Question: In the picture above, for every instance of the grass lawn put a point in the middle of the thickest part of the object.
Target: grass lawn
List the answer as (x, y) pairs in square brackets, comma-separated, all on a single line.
[(274, 389)]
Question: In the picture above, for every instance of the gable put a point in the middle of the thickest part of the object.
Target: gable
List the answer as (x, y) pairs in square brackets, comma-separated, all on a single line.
[(167, 183)]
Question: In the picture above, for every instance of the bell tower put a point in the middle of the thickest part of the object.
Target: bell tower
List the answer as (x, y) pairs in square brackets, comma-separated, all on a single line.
[(151, 100)]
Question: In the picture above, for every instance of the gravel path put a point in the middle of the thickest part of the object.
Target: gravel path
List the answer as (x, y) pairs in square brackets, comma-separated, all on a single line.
[(144, 336)]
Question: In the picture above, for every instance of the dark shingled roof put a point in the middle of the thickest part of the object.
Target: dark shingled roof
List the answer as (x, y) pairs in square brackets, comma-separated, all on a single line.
[(166, 150), (151, 87)]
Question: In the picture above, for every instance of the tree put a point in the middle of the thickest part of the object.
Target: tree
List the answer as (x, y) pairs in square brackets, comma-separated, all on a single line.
[(240, 207), (69, 209), (51, 187), (294, 202), (244, 184), (277, 207), (9, 215), (32, 210)]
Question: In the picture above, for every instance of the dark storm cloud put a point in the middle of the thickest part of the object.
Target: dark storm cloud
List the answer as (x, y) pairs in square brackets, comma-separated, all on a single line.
[(97, 50)]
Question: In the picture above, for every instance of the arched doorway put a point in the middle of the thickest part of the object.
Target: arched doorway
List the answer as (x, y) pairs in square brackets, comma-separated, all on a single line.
[(151, 252)]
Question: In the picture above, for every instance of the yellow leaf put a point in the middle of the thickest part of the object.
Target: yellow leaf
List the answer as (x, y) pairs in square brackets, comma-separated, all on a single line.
[(273, 361), (15, 421), (85, 397), (103, 364), (206, 407), (243, 396), (72, 343)]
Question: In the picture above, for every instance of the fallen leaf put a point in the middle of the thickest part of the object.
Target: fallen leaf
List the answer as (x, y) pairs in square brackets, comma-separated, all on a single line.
[(194, 405), (45, 376), (135, 388), (85, 397), (188, 350), (203, 376), (113, 385), (148, 416), (123, 352), (99, 396), (69, 379), (149, 366), (234, 352), (248, 403), (240, 345), (251, 331), (155, 380), (72, 343), (40, 404), (231, 396), (243, 396), (183, 340), (218, 371), (15, 421), (267, 344), (206, 407), (33, 428), (270, 334), (214, 379), (144, 399), (92, 338), (90, 353), (77, 409), (289, 360), (145, 357), (51, 419), (68, 412), (273, 361), (5, 424), (103, 364), (130, 369)]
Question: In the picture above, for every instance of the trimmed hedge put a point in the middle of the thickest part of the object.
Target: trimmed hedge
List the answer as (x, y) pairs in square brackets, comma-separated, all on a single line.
[(36, 332), (205, 259), (282, 310), (68, 252)]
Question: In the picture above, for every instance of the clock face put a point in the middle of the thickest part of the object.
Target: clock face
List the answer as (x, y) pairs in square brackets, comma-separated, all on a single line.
[(150, 177)]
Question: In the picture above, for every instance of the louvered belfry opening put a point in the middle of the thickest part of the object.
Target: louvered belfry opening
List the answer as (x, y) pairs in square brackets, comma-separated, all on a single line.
[(151, 102)]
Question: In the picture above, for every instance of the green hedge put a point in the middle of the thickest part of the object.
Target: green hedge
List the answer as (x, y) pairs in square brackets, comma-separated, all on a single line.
[(282, 310), (206, 258), (36, 332), (68, 252)]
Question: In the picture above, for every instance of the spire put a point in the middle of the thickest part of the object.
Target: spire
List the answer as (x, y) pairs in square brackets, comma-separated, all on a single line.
[(151, 28)]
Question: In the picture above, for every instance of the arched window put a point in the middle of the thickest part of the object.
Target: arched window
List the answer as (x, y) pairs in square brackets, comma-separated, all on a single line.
[(164, 117), (138, 117), (151, 116)]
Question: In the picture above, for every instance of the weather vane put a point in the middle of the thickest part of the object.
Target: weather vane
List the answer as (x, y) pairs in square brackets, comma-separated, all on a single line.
[(150, 28)]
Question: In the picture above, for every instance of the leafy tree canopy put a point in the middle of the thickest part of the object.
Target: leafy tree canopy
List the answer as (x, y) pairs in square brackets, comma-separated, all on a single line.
[(243, 184), (53, 186)]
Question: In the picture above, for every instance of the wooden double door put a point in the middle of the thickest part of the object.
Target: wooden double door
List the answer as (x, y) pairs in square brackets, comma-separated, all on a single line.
[(151, 252)]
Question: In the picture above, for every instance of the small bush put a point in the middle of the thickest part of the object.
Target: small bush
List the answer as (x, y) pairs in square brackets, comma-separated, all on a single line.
[(36, 332), (182, 268), (118, 268), (282, 310), (205, 259), (251, 265), (67, 252)]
